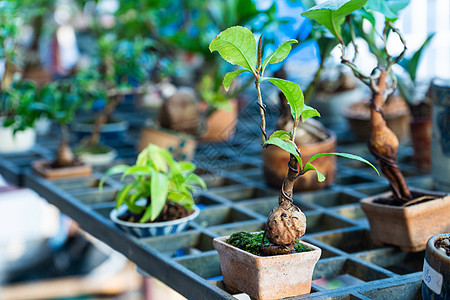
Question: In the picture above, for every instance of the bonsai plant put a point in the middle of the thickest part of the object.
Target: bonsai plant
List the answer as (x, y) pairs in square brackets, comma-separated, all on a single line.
[(59, 103), (286, 223), (160, 198), (415, 214), (119, 61)]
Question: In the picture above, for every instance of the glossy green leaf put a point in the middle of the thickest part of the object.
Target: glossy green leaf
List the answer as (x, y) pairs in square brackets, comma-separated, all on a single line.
[(131, 204), (138, 170), (279, 54), (389, 8), (346, 155), (281, 134), (309, 112), (230, 76), (308, 167), (237, 45), (332, 13), (158, 196), (293, 93), (122, 194), (112, 171), (286, 145), (197, 180)]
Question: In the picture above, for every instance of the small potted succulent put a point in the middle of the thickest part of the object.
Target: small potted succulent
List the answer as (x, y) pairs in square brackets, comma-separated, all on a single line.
[(277, 263), (160, 197), (403, 217), (58, 102), (436, 268)]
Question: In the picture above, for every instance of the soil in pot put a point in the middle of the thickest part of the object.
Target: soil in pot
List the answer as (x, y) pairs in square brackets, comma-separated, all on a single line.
[(443, 245), (171, 211), (251, 242), (417, 197)]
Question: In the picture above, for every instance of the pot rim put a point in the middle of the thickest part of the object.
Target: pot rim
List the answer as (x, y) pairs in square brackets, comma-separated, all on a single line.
[(114, 213), (431, 245), (369, 200), (149, 125), (222, 240)]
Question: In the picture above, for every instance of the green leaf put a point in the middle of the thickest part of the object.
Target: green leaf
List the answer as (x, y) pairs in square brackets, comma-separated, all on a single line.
[(293, 93), (112, 171), (122, 194), (286, 145), (237, 45), (195, 179), (279, 54), (332, 13), (309, 112), (308, 167), (346, 155), (158, 194), (230, 76), (411, 65), (130, 203), (138, 170), (281, 134), (389, 8)]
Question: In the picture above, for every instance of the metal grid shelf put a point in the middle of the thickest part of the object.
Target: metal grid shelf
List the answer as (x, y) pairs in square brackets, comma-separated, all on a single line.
[(238, 199)]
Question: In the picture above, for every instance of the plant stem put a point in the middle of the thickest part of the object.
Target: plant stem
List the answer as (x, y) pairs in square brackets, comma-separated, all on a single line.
[(262, 111), (102, 119), (64, 155)]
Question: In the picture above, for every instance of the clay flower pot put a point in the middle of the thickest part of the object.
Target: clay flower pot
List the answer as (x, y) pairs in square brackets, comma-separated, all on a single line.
[(266, 277), (396, 113), (421, 142), (44, 169), (221, 124), (407, 227), (181, 146), (276, 161), (436, 271), (152, 229)]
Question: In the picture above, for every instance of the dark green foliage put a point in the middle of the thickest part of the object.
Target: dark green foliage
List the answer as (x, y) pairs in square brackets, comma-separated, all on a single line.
[(251, 242)]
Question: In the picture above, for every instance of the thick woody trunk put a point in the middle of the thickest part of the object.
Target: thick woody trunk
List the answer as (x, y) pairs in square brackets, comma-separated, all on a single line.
[(64, 155), (383, 144)]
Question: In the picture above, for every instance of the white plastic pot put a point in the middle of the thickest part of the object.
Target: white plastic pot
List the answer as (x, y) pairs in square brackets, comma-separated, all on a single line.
[(98, 159), (20, 142)]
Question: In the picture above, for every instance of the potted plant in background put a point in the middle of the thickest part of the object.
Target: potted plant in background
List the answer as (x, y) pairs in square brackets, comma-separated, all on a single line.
[(404, 217), (283, 265), (159, 199), (436, 268), (419, 103), (59, 103), (18, 116), (119, 60)]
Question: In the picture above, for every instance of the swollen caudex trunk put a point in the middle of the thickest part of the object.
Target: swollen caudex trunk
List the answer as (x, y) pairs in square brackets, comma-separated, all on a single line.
[(64, 155), (286, 222)]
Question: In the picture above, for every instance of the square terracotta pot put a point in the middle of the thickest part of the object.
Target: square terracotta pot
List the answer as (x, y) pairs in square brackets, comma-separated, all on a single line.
[(407, 227), (41, 167), (266, 277)]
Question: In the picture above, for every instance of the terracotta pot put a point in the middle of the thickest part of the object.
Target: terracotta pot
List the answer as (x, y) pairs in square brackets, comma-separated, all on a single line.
[(332, 105), (42, 168), (142, 230), (396, 114), (221, 124), (266, 277), (182, 146), (421, 142), (407, 227), (436, 271), (276, 162)]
